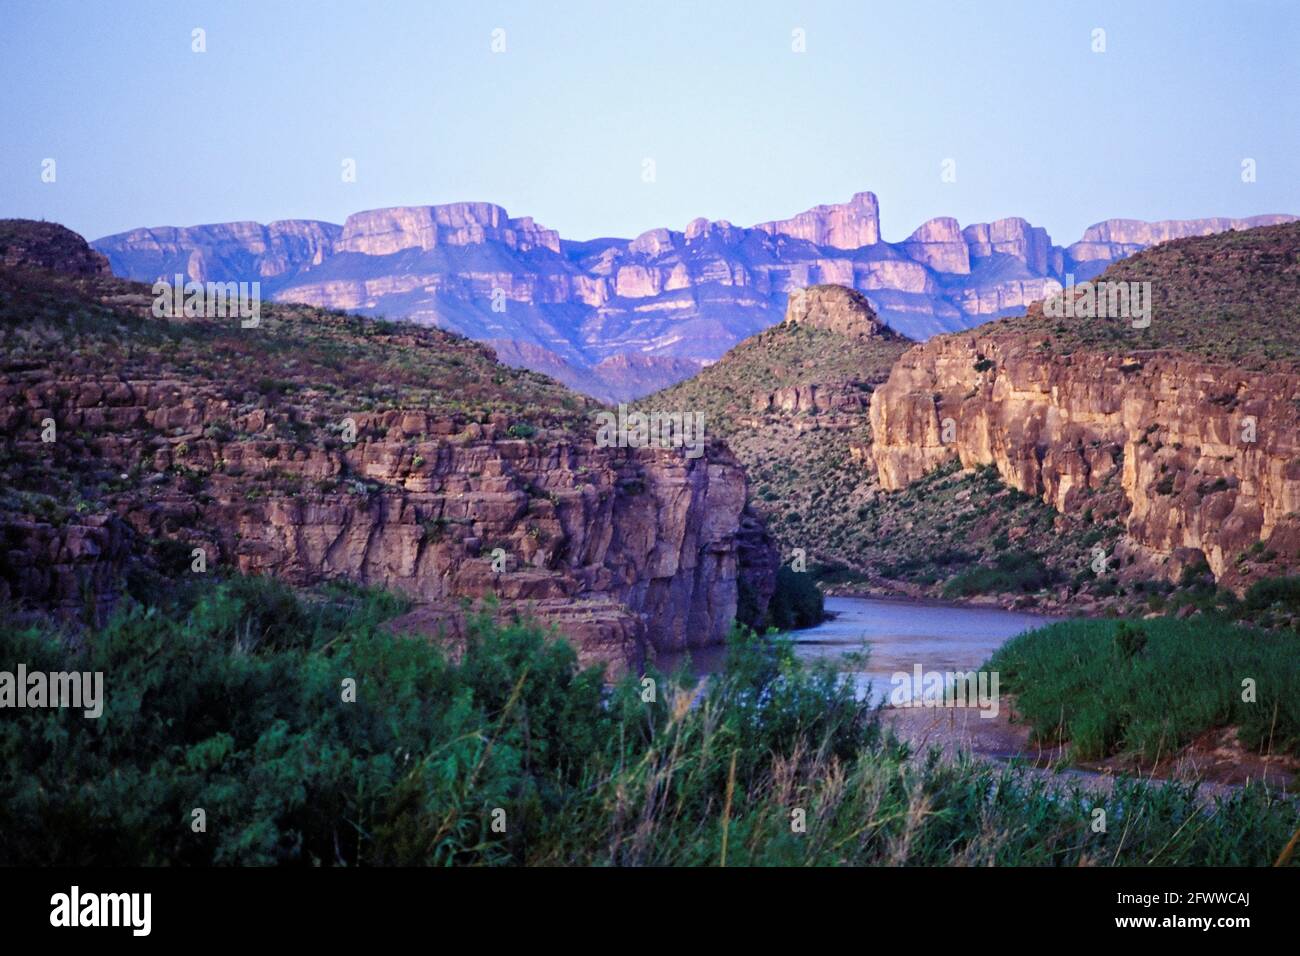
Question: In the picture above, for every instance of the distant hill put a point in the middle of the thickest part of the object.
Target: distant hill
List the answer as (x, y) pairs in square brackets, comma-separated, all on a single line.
[(47, 245), (618, 318), (1232, 297)]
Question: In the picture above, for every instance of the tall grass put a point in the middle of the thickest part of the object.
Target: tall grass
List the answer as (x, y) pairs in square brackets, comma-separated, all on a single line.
[(1147, 689), (234, 705)]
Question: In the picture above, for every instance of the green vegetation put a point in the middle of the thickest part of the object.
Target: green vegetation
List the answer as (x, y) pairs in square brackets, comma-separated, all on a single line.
[(1146, 689), (232, 703), (797, 601), (1271, 602), (1011, 572)]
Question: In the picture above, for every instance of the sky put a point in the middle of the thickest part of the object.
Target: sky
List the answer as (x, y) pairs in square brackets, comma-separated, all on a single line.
[(1011, 99)]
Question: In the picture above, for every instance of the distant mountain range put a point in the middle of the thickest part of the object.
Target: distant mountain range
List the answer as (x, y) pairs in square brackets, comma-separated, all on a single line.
[(619, 318)]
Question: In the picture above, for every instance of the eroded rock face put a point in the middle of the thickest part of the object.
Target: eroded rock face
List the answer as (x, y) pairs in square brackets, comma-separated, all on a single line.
[(652, 544), (1176, 429), (381, 232), (940, 244), (1113, 239), (229, 251), (1017, 239)]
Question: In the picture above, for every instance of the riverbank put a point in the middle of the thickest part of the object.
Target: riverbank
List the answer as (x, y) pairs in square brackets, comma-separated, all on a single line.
[(1270, 602), (924, 598), (1216, 762), (947, 637)]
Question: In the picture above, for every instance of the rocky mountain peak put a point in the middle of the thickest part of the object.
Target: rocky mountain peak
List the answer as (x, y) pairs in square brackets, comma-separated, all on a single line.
[(1013, 237), (939, 244), (655, 242), (701, 228), (848, 225)]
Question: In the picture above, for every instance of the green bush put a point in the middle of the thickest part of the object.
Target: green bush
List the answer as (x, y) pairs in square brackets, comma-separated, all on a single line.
[(1182, 678), (1011, 572), (1280, 593), (797, 601)]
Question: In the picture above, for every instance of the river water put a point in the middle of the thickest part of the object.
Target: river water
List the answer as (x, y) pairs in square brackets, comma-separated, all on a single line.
[(898, 636)]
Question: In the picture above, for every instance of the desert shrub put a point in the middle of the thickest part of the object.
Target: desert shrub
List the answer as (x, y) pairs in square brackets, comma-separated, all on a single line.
[(797, 601), (1011, 572)]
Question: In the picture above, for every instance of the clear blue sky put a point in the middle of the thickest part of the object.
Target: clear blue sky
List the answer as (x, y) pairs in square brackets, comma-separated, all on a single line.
[(146, 132)]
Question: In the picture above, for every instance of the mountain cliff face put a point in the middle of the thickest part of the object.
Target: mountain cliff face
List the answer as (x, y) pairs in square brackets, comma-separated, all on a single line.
[(618, 318), (1194, 416), (323, 446)]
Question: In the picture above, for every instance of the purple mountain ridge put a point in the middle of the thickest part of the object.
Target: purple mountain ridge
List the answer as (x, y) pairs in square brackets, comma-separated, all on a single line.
[(619, 318)]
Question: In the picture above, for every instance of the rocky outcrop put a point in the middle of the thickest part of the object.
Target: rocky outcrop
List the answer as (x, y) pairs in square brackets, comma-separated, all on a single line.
[(381, 232), (230, 251), (677, 299), (47, 245), (812, 399), (836, 309), (1208, 457), (940, 245), (1018, 240)]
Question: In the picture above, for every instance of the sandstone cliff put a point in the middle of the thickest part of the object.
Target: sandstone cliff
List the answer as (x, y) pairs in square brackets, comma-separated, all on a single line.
[(322, 446), (1203, 440)]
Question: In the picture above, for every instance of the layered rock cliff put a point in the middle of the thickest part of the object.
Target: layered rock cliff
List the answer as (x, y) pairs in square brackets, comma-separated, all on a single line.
[(619, 318), (1196, 420), (322, 446)]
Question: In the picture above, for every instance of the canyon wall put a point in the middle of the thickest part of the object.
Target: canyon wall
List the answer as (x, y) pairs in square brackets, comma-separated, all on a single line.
[(629, 550), (1208, 457)]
